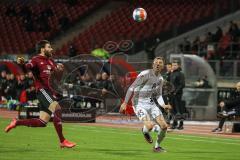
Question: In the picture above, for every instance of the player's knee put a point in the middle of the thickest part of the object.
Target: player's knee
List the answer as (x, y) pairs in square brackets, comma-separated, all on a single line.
[(149, 125), (42, 123), (164, 126)]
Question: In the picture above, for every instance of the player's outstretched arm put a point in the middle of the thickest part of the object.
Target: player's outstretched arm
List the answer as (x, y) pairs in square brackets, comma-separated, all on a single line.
[(22, 63), (138, 82)]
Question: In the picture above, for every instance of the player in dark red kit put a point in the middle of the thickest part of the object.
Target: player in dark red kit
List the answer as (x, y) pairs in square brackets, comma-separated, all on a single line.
[(42, 66)]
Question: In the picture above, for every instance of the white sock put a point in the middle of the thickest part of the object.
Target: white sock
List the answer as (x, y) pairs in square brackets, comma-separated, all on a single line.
[(156, 128), (160, 135), (145, 129)]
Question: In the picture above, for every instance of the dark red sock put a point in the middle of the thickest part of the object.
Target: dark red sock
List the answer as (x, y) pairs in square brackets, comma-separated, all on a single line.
[(35, 122), (57, 121)]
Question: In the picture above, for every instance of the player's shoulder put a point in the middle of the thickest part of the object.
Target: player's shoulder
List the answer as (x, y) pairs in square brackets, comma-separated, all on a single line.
[(145, 72), (36, 57)]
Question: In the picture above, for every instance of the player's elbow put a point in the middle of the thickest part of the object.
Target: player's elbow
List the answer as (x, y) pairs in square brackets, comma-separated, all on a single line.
[(28, 65)]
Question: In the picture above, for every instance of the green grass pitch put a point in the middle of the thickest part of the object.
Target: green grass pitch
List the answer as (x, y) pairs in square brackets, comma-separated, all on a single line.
[(101, 143)]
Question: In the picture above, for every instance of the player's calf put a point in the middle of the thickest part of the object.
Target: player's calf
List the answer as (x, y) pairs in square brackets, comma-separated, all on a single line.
[(35, 122), (147, 136), (11, 125), (145, 130)]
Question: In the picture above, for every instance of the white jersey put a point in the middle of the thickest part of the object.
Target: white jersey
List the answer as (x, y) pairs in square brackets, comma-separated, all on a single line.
[(146, 86)]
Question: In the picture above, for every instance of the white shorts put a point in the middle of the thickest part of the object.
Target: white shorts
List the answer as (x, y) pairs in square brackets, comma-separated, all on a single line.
[(149, 110)]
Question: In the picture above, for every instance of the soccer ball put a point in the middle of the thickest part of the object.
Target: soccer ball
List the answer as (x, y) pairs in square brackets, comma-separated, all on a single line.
[(139, 14)]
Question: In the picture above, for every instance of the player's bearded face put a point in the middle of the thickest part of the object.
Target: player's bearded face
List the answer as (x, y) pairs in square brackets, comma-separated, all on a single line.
[(48, 53), (158, 65), (48, 50)]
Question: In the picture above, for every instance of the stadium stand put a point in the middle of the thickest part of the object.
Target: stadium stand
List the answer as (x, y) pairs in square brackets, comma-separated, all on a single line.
[(22, 24), (221, 45), (161, 20)]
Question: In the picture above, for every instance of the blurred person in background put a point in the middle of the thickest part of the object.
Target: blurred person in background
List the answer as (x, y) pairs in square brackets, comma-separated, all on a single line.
[(178, 80), (229, 107), (10, 90), (3, 82)]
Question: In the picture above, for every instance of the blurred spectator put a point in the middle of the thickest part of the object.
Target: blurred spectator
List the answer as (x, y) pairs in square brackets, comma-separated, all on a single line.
[(218, 35), (196, 45), (42, 23), (208, 38), (25, 12), (104, 86), (21, 84), (229, 107), (115, 86), (234, 31), (64, 23), (10, 90), (97, 81), (28, 25), (168, 97), (11, 12), (178, 81), (86, 80), (217, 46), (168, 72), (70, 2), (78, 80), (202, 83), (150, 47), (47, 12), (3, 82), (185, 47), (72, 52), (30, 88)]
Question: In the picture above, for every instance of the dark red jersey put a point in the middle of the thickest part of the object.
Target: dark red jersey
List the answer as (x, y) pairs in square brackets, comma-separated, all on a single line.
[(42, 67)]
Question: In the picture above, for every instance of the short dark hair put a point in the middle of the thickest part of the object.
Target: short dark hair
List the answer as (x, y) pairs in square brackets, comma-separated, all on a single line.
[(41, 44), (176, 61), (168, 63), (159, 58)]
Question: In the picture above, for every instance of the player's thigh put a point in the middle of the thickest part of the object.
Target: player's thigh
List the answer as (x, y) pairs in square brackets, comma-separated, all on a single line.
[(143, 116), (44, 116), (161, 122), (47, 102), (141, 113)]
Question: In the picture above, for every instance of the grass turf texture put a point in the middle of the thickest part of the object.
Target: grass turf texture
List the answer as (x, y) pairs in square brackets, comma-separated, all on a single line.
[(101, 143)]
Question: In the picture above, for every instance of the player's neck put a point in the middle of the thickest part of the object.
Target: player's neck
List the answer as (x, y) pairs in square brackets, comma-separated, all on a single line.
[(42, 54), (157, 73)]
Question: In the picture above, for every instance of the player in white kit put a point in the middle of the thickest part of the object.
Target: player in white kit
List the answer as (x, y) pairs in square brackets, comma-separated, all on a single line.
[(147, 91)]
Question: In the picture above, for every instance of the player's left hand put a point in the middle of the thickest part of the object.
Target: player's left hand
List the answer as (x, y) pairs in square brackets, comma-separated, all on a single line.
[(123, 107), (60, 67)]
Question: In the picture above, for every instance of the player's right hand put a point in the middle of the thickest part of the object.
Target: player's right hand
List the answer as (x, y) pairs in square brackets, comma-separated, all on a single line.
[(167, 107), (123, 107), (20, 60)]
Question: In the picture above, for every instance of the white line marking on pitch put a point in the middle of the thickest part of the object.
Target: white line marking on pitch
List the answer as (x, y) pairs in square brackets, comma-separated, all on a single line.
[(208, 140)]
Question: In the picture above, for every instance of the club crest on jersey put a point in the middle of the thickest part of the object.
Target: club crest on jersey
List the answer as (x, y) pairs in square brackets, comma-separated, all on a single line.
[(49, 67)]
